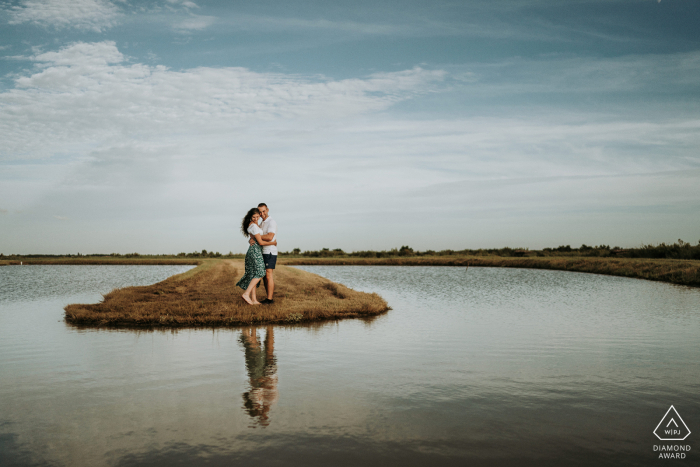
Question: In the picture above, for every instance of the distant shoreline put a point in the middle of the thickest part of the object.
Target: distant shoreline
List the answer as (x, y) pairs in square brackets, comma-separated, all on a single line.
[(105, 260), (674, 271)]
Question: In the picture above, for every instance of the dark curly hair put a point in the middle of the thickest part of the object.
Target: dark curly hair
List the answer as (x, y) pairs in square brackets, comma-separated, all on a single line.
[(247, 220)]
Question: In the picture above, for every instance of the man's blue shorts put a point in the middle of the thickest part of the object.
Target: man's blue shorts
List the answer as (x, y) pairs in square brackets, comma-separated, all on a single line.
[(270, 260)]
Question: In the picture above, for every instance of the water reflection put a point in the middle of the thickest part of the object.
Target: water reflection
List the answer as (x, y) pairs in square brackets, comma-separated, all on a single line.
[(262, 373), (511, 367)]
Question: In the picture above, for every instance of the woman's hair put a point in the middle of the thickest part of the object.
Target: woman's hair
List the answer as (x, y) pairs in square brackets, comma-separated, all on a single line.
[(247, 220)]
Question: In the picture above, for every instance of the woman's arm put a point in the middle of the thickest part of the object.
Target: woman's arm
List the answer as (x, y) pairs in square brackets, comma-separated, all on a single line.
[(262, 242), (266, 237)]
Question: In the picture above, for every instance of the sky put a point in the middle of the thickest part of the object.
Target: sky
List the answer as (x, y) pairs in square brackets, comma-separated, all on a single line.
[(153, 126)]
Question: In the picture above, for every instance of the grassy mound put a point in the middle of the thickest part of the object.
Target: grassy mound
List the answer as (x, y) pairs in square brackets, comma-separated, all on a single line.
[(207, 296)]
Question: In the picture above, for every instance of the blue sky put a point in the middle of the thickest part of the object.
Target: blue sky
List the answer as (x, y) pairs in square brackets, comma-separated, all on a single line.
[(153, 126)]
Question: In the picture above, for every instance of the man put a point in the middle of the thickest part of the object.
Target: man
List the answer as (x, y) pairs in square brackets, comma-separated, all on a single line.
[(269, 228)]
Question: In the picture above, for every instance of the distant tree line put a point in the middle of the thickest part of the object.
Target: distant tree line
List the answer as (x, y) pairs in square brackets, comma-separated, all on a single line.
[(202, 254), (678, 250)]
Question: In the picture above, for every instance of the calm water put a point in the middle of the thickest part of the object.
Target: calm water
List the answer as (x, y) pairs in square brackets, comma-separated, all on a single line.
[(487, 366)]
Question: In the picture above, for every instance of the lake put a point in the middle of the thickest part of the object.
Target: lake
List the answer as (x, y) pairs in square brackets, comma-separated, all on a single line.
[(478, 366)]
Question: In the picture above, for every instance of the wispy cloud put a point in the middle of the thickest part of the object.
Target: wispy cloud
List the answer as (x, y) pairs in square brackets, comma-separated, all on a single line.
[(580, 74), (195, 23), (505, 20), (183, 3), (95, 15), (276, 23), (397, 27)]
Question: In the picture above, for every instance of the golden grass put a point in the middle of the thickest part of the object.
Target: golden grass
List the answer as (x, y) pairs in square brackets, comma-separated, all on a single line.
[(207, 296), (682, 272)]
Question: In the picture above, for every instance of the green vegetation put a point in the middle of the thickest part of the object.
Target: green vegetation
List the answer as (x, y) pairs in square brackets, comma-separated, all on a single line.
[(678, 250), (205, 254)]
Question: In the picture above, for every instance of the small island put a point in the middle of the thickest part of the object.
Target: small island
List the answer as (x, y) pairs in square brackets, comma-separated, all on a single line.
[(207, 296)]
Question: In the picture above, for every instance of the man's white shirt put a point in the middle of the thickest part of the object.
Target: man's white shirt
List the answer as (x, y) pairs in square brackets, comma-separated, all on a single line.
[(269, 225)]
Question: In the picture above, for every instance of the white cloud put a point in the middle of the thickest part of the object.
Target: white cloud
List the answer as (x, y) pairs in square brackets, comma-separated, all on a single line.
[(84, 94), (95, 15), (80, 55)]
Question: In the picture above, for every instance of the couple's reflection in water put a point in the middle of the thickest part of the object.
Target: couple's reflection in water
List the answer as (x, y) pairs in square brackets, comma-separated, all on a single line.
[(261, 365), (262, 373)]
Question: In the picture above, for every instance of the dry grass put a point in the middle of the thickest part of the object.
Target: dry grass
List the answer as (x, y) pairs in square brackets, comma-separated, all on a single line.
[(682, 272), (208, 296)]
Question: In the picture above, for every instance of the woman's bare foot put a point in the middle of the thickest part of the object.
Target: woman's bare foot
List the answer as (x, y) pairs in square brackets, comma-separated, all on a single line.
[(247, 299)]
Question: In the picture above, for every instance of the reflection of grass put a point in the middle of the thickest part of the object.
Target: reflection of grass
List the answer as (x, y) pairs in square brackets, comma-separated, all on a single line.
[(684, 272), (207, 296)]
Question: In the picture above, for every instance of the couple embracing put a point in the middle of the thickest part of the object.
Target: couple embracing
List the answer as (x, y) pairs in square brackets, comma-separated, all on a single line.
[(259, 262)]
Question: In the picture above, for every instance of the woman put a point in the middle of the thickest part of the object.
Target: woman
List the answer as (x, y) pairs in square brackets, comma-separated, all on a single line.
[(254, 264)]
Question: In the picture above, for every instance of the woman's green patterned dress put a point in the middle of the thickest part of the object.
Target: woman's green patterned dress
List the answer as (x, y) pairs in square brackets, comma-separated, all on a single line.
[(254, 266)]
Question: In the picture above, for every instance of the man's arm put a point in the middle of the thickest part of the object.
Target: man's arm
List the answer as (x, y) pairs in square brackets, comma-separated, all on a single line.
[(271, 231)]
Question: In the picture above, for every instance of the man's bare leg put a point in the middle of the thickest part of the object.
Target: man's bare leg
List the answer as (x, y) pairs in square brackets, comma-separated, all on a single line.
[(269, 282)]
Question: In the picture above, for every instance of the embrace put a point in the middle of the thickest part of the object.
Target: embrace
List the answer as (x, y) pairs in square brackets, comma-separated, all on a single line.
[(259, 262)]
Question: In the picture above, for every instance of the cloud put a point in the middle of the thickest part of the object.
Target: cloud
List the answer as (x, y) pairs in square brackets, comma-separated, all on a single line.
[(84, 94), (93, 15), (183, 3), (81, 55), (274, 23), (518, 20), (634, 78), (3, 211), (60, 218), (195, 23)]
